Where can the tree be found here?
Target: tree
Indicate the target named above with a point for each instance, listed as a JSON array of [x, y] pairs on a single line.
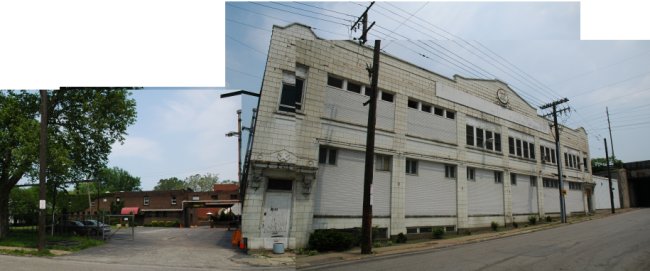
[[83, 123], [201, 183], [172, 183], [116, 179], [600, 164]]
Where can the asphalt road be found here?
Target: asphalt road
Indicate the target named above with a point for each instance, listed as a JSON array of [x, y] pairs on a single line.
[[152, 249], [620, 242]]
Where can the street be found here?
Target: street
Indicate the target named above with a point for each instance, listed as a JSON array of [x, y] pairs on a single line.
[[620, 242]]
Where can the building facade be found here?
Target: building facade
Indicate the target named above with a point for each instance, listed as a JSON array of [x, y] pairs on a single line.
[[453, 152]]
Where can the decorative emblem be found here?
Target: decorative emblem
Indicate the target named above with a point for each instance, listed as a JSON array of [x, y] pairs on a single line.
[[285, 156], [502, 96]]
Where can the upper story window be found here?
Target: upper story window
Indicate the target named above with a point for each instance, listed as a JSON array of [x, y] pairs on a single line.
[[145, 201], [425, 107], [335, 82], [450, 171], [547, 154], [173, 200], [483, 138], [521, 148], [327, 156], [411, 166], [385, 96], [382, 162], [571, 161], [550, 183], [195, 197], [575, 186], [584, 162], [293, 84], [513, 179]]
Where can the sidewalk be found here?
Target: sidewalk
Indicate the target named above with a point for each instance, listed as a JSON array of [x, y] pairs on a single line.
[[269, 259]]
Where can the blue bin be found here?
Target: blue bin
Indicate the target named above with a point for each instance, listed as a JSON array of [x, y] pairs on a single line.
[[278, 248]]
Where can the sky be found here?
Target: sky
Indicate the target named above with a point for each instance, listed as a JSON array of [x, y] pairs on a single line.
[[534, 47]]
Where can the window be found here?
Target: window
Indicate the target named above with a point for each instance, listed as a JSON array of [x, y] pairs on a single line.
[[451, 115], [335, 82], [354, 87], [327, 156], [195, 197], [566, 161], [426, 108], [513, 178], [413, 104], [525, 147], [584, 161], [518, 146], [511, 145], [173, 200], [550, 183], [291, 96], [387, 96], [146, 201], [498, 177], [275, 184], [469, 131], [450, 171], [470, 174], [532, 150], [497, 142], [382, 162], [553, 156], [479, 137], [489, 141], [533, 181], [411, 166], [438, 111]]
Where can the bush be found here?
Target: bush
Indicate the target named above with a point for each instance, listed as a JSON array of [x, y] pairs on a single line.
[[532, 220], [401, 238], [438, 233], [331, 239], [549, 219], [514, 224], [494, 226]]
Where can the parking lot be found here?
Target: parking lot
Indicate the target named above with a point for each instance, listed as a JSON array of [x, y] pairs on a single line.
[[201, 247]]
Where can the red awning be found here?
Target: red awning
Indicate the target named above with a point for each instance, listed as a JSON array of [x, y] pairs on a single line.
[[129, 211]]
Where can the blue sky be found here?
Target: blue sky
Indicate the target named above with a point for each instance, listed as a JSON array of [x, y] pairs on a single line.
[[181, 131]]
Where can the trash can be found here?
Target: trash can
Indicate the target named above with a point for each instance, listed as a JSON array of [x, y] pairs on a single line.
[[278, 248]]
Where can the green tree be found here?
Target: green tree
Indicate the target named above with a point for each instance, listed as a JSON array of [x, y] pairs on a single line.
[[83, 124], [116, 179], [172, 183], [23, 204], [600, 164], [202, 183]]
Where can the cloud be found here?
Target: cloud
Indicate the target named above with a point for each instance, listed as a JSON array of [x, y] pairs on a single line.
[[137, 147]]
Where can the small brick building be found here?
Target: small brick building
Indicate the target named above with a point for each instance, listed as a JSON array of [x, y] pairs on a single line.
[[187, 207]]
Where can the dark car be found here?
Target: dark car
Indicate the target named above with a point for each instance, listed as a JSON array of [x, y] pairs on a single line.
[[95, 227], [71, 227]]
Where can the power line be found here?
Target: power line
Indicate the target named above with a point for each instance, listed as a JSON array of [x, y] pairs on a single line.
[[330, 10], [317, 13], [245, 45], [298, 14]]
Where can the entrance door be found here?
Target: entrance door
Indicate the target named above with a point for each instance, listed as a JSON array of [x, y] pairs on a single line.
[[277, 210]]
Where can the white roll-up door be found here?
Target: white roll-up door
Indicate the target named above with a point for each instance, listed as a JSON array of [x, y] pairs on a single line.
[[429, 193]]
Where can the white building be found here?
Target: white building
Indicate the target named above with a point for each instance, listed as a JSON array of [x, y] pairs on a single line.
[[454, 152], [601, 193]]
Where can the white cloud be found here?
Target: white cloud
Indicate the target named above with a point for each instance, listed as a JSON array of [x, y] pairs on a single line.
[[137, 147]]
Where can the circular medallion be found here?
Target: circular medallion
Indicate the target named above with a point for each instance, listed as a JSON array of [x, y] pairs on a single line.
[[502, 96]]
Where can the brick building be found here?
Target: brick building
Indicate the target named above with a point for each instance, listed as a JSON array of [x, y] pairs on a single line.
[[453, 152], [185, 206]]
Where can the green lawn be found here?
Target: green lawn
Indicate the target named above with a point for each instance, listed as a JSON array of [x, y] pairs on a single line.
[[29, 238]]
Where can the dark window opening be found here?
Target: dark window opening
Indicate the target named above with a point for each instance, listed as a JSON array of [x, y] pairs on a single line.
[[479, 137], [518, 146], [511, 145], [291, 97], [354, 87], [413, 104], [279, 185], [387, 96], [438, 111], [532, 150], [335, 82], [497, 142], [469, 131], [525, 149], [451, 115], [426, 108], [489, 141]]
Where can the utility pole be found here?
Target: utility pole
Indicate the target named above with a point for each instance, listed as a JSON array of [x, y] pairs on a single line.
[[609, 176], [42, 172], [366, 220], [557, 150], [611, 140]]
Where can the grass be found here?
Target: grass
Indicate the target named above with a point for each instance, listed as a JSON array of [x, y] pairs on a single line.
[[21, 252], [29, 239]]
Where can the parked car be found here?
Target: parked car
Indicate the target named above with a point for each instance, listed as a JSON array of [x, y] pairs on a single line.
[[95, 227], [71, 226]]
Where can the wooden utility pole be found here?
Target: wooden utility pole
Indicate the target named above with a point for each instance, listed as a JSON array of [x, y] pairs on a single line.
[[366, 220], [609, 176], [557, 151], [42, 172]]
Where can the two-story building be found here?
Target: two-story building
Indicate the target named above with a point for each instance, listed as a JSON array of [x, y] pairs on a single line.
[[453, 152]]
